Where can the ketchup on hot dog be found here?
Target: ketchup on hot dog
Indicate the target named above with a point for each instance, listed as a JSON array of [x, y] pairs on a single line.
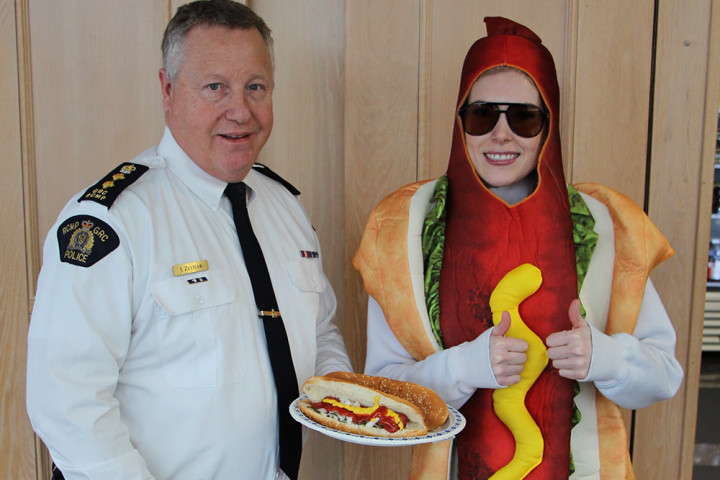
[[386, 418]]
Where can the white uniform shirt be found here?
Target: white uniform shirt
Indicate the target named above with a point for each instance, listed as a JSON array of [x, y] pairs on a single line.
[[135, 372]]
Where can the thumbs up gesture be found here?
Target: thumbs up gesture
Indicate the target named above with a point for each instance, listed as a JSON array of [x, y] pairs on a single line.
[[571, 350], [507, 355]]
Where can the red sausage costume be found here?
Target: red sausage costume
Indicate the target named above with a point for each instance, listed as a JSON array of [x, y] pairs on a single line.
[[485, 238]]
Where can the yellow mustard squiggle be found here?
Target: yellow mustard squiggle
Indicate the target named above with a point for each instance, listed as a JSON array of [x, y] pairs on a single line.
[[509, 402]]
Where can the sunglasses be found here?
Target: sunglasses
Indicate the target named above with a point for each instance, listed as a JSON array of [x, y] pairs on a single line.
[[479, 118]]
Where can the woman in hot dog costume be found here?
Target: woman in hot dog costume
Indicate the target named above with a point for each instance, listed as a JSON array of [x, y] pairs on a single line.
[[503, 232]]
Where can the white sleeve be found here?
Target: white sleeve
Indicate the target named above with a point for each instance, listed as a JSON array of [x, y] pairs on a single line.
[[78, 339], [331, 353], [454, 373], [637, 370]]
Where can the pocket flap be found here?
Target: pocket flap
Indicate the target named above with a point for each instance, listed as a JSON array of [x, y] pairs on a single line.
[[306, 274], [189, 293]]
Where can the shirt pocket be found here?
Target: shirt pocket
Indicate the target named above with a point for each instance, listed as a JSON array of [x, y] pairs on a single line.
[[307, 275], [308, 280], [198, 331]]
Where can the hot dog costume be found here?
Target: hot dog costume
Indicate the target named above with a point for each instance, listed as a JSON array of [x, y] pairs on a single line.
[[434, 252]]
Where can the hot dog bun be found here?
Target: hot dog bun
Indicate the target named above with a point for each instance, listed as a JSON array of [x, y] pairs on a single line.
[[363, 389], [434, 410], [318, 388]]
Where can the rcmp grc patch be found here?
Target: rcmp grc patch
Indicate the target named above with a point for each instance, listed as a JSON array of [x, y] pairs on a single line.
[[84, 240], [107, 190]]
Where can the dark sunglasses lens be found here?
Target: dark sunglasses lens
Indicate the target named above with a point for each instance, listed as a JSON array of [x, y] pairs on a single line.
[[479, 119], [525, 120]]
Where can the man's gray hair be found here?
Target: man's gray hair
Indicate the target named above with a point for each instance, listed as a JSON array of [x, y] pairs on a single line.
[[225, 13]]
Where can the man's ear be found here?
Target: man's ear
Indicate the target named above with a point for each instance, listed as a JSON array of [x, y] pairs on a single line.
[[165, 88]]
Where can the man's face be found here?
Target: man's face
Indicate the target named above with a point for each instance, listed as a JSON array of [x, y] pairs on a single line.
[[219, 106]]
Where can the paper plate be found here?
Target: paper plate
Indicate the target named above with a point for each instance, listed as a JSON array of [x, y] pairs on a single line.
[[452, 426]]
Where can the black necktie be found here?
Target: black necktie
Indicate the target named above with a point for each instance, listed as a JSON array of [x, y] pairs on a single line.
[[277, 341]]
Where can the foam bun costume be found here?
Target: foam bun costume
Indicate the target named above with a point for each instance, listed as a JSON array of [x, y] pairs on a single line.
[[555, 231]]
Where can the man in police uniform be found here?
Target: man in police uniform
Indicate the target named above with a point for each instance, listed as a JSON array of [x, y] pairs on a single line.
[[147, 358]]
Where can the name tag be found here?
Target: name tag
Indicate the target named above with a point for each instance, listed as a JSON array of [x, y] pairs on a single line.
[[190, 267]]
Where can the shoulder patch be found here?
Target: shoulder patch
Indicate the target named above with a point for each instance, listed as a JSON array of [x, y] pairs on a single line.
[[106, 191], [84, 240], [259, 167]]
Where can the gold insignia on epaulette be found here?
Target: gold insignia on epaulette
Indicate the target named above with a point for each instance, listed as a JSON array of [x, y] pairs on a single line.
[[127, 169], [107, 189]]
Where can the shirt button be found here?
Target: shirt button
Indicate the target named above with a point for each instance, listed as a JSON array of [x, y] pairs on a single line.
[[200, 299]]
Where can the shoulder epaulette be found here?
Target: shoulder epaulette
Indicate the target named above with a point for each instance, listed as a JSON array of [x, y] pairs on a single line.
[[106, 191], [259, 167]]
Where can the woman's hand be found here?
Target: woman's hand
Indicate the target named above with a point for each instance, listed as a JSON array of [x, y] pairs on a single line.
[[571, 350], [507, 355]]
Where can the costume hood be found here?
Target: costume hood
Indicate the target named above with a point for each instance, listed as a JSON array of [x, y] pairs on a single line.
[[513, 45]]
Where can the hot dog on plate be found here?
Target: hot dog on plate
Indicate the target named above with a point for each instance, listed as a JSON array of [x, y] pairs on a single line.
[[374, 406]]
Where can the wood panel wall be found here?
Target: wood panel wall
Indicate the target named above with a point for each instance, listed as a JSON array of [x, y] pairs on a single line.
[[363, 104], [682, 138], [17, 446], [96, 103]]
